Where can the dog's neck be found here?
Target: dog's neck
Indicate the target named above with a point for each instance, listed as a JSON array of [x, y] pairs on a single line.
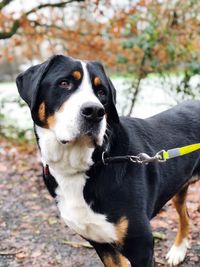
[[68, 159]]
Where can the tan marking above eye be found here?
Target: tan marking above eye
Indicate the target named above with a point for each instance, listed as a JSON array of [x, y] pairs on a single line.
[[121, 230], [41, 112], [97, 81], [77, 75]]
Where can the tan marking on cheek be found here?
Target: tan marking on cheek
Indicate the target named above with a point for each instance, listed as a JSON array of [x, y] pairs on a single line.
[[121, 230], [61, 109], [41, 111], [51, 120], [84, 141], [97, 81], [77, 75]]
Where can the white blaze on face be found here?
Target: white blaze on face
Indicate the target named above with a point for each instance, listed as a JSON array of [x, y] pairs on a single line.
[[67, 119]]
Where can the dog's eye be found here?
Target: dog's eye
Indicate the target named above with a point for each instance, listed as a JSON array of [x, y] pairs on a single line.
[[100, 93], [66, 84]]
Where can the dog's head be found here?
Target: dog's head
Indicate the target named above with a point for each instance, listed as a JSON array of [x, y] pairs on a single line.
[[70, 97]]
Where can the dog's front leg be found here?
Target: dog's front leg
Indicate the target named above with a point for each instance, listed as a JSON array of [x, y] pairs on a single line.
[[139, 249], [109, 255]]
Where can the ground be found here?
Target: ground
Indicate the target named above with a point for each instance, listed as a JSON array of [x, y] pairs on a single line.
[[33, 235]]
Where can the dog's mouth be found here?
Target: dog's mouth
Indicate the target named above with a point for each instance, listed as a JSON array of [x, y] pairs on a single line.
[[90, 135], [89, 139]]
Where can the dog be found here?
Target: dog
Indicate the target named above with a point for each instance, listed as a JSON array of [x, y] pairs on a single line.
[[72, 104]]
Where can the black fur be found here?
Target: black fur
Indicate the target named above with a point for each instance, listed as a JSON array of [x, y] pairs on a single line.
[[135, 191], [140, 191]]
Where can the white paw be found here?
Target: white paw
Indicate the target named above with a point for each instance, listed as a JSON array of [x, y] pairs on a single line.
[[177, 253]]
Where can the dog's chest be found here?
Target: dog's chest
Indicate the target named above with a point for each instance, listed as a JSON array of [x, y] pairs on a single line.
[[68, 166], [78, 215]]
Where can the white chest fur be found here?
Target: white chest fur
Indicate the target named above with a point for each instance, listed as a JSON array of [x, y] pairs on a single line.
[[68, 163]]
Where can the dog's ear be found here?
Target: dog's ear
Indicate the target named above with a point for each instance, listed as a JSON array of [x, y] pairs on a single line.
[[28, 82], [113, 111]]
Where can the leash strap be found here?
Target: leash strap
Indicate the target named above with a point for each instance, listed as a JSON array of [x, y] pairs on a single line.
[[144, 158], [180, 151]]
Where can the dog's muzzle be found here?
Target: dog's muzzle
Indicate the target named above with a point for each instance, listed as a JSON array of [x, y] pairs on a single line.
[[92, 113], [91, 123]]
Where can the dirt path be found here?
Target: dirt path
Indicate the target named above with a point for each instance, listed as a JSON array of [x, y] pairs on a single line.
[[32, 234]]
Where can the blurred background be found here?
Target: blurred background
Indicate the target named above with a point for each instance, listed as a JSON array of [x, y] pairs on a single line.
[[151, 51], [150, 48]]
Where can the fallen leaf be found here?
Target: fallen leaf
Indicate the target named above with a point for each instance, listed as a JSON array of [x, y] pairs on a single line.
[[77, 244], [20, 255], [52, 221]]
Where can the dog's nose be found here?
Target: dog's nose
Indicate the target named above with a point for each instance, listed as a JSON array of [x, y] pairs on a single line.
[[92, 112]]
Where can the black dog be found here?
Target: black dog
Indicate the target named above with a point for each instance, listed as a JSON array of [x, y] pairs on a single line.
[[72, 104]]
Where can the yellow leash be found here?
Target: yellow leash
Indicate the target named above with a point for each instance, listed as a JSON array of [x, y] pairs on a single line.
[[179, 151]]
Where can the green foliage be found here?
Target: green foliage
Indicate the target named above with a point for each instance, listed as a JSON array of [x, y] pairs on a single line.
[[121, 59], [165, 40]]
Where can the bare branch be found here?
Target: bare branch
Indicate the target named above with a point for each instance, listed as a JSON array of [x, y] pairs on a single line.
[[13, 30], [4, 3], [60, 5], [16, 23], [137, 88]]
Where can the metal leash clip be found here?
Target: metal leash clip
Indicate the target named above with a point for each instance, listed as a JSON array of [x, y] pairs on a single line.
[[134, 159], [141, 158], [160, 156], [144, 158]]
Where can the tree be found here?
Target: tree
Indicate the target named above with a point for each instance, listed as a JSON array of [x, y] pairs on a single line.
[[17, 23], [150, 36], [168, 41]]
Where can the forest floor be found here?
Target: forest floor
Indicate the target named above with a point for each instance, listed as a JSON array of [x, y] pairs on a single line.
[[33, 235]]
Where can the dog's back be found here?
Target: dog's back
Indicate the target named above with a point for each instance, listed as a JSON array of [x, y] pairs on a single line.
[[176, 127]]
